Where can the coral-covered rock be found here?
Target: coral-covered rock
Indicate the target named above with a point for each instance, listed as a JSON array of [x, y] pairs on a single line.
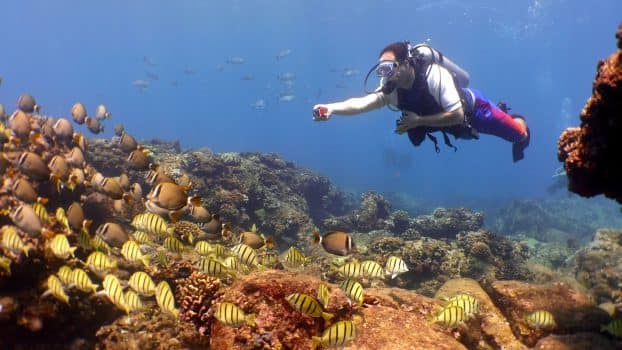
[[490, 321], [591, 153], [447, 223], [372, 214], [572, 309], [195, 295], [391, 319], [145, 331]]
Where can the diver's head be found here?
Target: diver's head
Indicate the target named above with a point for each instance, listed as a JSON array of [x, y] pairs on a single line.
[[395, 66]]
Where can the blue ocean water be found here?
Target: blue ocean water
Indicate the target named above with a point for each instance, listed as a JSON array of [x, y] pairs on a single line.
[[539, 56]]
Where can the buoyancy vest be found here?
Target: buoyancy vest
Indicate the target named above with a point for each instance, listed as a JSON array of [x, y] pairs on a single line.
[[418, 99]]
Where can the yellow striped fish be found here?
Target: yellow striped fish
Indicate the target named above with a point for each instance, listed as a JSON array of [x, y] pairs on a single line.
[[99, 262], [55, 288], [268, 258], [218, 251], [203, 248], [142, 283], [173, 244], [141, 237], [165, 299], [246, 254], [231, 315], [152, 223], [323, 295], [307, 305], [64, 274], [133, 301], [234, 264], [395, 266], [114, 292], [81, 280], [41, 212], [131, 252], [467, 302], [84, 240], [450, 316], [336, 335], [351, 270], [215, 268], [59, 245], [5, 264], [372, 269], [541, 319], [353, 290], [295, 258], [61, 218], [13, 242], [99, 244]]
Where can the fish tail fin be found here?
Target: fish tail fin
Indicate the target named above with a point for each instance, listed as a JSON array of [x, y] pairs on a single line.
[[250, 320], [42, 200], [26, 250], [315, 341], [317, 239], [128, 198], [174, 216], [145, 260], [72, 251], [326, 316]]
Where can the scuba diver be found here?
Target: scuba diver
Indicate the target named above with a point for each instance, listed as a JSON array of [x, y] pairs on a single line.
[[431, 92]]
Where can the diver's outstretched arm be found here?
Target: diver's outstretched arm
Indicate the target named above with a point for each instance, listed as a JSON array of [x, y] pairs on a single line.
[[353, 106]]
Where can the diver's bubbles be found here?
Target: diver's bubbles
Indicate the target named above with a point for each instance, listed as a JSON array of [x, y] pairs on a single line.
[[567, 114]]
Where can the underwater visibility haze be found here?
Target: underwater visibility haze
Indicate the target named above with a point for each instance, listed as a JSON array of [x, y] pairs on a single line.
[[165, 184]]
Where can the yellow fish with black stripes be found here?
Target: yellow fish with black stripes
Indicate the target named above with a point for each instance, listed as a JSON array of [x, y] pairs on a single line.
[[295, 258], [353, 290], [98, 262], [114, 292], [55, 288], [133, 301], [467, 302], [351, 270], [231, 315], [450, 316], [81, 280], [246, 254], [142, 283], [307, 305], [64, 274], [541, 319], [131, 252], [165, 299], [323, 295], [59, 245], [13, 242], [337, 335]]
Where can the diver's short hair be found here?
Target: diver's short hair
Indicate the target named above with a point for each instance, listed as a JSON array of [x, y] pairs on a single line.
[[399, 48]]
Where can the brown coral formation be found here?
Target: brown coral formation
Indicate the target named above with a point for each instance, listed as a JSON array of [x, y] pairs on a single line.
[[591, 152], [195, 295]]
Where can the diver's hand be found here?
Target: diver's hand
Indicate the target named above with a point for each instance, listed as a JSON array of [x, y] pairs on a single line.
[[408, 121], [321, 113]]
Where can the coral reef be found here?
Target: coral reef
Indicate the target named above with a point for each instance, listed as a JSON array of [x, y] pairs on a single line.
[[555, 219], [447, 223], [596, 267], [590, 152]]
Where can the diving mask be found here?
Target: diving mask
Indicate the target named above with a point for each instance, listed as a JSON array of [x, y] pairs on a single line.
[[386, 69]]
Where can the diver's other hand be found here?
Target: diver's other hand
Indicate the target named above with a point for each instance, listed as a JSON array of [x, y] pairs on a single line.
[[321, 113], [408, 121]]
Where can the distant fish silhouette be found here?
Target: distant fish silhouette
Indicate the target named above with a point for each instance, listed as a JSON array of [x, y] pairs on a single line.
[[283, 54], [286, 97], [152, 76], [189, 71], [283, 77], [235, 60], [248, 77], [141, 84], [348, 72], [259, 104], [148, 61]]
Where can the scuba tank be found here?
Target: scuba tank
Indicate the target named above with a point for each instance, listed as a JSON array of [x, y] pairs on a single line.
[[424, 53]]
